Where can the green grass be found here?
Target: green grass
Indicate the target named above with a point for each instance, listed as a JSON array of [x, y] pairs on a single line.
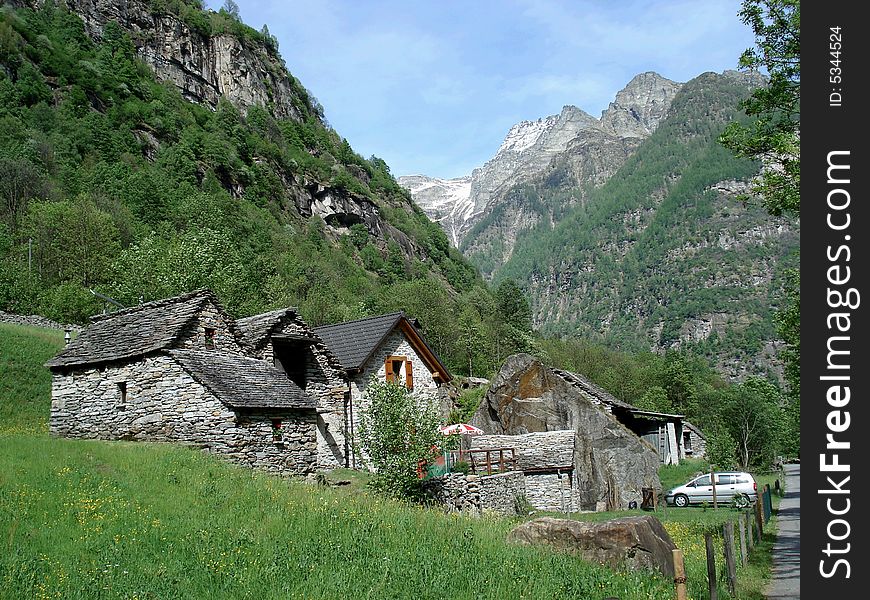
[[25, 384], [93, 519]]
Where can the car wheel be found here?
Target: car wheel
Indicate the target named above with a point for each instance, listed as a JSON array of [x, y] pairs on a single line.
[[681, 500], [740, 500]]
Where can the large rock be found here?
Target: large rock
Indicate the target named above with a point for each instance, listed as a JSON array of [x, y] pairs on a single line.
[[611, 463], [631, 542]]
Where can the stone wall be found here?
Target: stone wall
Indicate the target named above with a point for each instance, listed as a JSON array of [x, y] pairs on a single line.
[[456, 492], [37, 321], [193, 338], [473, 494], [160, 401], [499, 492], [552, 491], [698, 444]]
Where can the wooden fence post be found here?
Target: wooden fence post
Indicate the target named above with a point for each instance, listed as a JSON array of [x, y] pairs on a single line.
[[730, 563], [741, 525], [750, 535], [711, 567], [759, 518], [679, 575]]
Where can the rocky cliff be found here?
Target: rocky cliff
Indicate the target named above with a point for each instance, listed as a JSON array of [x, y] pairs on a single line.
[[668, 253], [205, 65]]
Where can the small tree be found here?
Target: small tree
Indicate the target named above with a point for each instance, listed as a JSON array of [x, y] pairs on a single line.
[[398, 432]]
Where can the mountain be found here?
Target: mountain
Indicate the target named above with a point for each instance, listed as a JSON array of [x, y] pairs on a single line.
[[598, 147], [668, 253], [152, 147], [446, 201]]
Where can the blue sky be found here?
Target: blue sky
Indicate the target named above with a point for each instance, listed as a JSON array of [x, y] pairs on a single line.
[[433, 86]]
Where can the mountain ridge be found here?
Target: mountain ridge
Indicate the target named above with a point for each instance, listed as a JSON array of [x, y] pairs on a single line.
[[530, 146]]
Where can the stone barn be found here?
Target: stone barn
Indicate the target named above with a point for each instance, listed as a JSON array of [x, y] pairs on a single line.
[[663, 431], [611, 464], [388, 347], [176, 370]]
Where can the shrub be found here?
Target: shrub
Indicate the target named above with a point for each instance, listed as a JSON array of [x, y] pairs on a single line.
[[398, 433]]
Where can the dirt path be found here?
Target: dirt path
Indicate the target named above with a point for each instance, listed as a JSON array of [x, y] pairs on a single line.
[[785, 583]]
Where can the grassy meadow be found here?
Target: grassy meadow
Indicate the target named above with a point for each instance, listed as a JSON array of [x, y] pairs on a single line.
[[94, 519]]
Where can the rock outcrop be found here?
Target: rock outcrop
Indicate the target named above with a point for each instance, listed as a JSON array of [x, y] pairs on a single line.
[[632, 542], [611, 463], [204, 67]]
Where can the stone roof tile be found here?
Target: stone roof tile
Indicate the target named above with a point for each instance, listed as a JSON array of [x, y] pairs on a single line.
[[241, 382], [134, 331]]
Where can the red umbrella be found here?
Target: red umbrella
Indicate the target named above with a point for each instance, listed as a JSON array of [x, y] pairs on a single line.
[[460, 428]]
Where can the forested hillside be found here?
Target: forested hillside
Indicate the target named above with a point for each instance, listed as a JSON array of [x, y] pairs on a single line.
[[136, 187], [667, 254]]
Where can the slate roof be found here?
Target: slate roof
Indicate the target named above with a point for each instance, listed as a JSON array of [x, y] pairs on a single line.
[[241, 382], [583, 384], [540, 451], [135, 331], [354, 342], [255, 330]]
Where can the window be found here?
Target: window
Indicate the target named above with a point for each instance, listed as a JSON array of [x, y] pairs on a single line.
[[209, 337], [277, 431], [393, 369], [687, 442], [702, 481], [122, 394]]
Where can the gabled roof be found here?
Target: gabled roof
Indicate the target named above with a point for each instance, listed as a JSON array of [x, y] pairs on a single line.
[[255, 330], [540, 451], [135, 331], [241, 382], [354, 342], [580, 382]]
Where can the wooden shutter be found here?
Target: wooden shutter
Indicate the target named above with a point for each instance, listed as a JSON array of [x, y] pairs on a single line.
[[409, 375], [388, 365]]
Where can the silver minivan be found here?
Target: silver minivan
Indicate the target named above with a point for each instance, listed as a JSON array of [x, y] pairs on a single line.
[[731, 487]]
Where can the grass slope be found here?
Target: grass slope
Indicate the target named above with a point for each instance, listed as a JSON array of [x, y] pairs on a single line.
[[94, 519]]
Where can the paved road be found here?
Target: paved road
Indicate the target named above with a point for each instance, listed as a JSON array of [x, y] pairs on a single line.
[[785, 583]]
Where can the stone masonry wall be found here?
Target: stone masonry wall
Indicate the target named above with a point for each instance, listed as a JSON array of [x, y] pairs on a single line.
[[396, 344], [193, 338], [37, 321], [499, 492], [326, 384], [551, 491], [456, 492], [164, 403]]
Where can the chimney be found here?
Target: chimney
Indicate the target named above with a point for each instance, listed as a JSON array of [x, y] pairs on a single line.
[[66, 336]]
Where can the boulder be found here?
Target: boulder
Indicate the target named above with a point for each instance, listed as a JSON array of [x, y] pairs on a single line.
[[630, 542], [611, 463]]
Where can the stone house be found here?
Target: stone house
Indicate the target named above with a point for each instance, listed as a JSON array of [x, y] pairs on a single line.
[[282, 339], [664, 432], [387, 347], [546, 459], [694, 442], [267, 391], [177, 370]]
